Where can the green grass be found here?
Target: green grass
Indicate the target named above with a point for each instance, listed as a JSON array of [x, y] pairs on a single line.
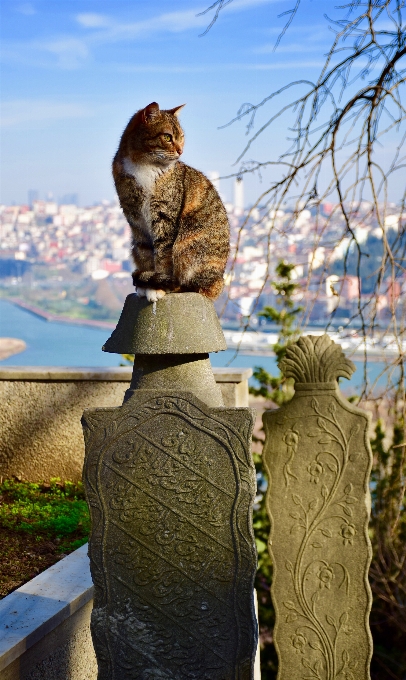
[[47, 511]]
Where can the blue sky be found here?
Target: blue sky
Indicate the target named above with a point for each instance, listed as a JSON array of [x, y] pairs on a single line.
[[74, 71]]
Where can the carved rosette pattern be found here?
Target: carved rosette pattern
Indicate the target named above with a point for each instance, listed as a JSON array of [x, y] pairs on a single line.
[[318, 460], [170, 484]]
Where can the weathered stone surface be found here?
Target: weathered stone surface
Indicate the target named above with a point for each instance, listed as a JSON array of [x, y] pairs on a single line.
[[41, 407], [40, 433], [184, 372], [318, 459], [180, 323], [170, 483]]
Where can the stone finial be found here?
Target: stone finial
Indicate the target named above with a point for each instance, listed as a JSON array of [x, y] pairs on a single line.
[[316, 359], [171, 340], [179, 323]]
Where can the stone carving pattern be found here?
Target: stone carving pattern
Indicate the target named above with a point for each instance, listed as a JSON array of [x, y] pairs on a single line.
[[318, 460], [316, 359], [178, 597]]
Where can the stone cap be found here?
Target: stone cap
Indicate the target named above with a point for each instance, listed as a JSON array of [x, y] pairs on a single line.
[[66, 373], [230, 374], [102, 374], [179, 323]]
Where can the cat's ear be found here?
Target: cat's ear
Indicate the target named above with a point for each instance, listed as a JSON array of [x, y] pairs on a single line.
[[176, 110], [150, 112]]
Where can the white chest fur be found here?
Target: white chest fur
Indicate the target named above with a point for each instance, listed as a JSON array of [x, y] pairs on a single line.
[[144, 175]]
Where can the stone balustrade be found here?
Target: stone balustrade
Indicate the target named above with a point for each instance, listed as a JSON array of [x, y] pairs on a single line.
[[40, 432]]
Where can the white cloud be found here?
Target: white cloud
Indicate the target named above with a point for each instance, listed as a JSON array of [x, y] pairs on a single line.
[[158, 68], [26, 9], [70, 52], [290, 48], [24, 111], [246, 4], [116, 30], [169, 22], [92, 20], [173, 68], [63, 52], [282, 65], [312, 40]]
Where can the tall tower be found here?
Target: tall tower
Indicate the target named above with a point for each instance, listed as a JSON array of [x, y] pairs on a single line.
[[239, 195], [214, 178], [32, 196]]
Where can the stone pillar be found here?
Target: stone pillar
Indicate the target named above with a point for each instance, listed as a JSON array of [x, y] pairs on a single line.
[[318, 459], [170, 483]]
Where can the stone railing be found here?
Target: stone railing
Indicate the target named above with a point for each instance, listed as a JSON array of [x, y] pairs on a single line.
[[45, 625], [40, 432]]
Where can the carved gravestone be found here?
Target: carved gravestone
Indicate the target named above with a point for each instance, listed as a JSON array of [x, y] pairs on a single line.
[[170, 483], [318, 459]]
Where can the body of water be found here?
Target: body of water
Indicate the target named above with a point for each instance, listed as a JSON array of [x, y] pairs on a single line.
[[61, 344], [53, 344]]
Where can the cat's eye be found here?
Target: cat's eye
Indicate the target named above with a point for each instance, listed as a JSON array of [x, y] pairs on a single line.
[[167, 138]]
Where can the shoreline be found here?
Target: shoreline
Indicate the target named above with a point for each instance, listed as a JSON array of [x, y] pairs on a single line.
[[372, 357], [355, 356], [11, 346], [57, 318]]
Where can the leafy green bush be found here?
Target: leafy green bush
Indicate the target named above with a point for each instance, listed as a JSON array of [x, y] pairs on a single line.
[[55, 510]]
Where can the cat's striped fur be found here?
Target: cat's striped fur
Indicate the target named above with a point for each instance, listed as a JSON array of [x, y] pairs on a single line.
[[180, 230]]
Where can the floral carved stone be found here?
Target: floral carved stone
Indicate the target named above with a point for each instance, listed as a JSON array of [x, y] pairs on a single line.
[[318, 460], [171, 483]]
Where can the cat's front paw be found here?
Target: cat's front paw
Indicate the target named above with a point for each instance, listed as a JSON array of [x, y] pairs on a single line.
[[153, 295]]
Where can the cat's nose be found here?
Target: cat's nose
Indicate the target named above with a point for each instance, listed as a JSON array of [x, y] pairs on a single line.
[[179, 149]]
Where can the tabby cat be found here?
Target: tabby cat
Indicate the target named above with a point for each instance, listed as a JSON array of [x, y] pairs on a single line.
[[180, 231]]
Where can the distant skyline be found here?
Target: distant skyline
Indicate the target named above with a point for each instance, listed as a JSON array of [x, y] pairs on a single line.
[[74, 71]]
